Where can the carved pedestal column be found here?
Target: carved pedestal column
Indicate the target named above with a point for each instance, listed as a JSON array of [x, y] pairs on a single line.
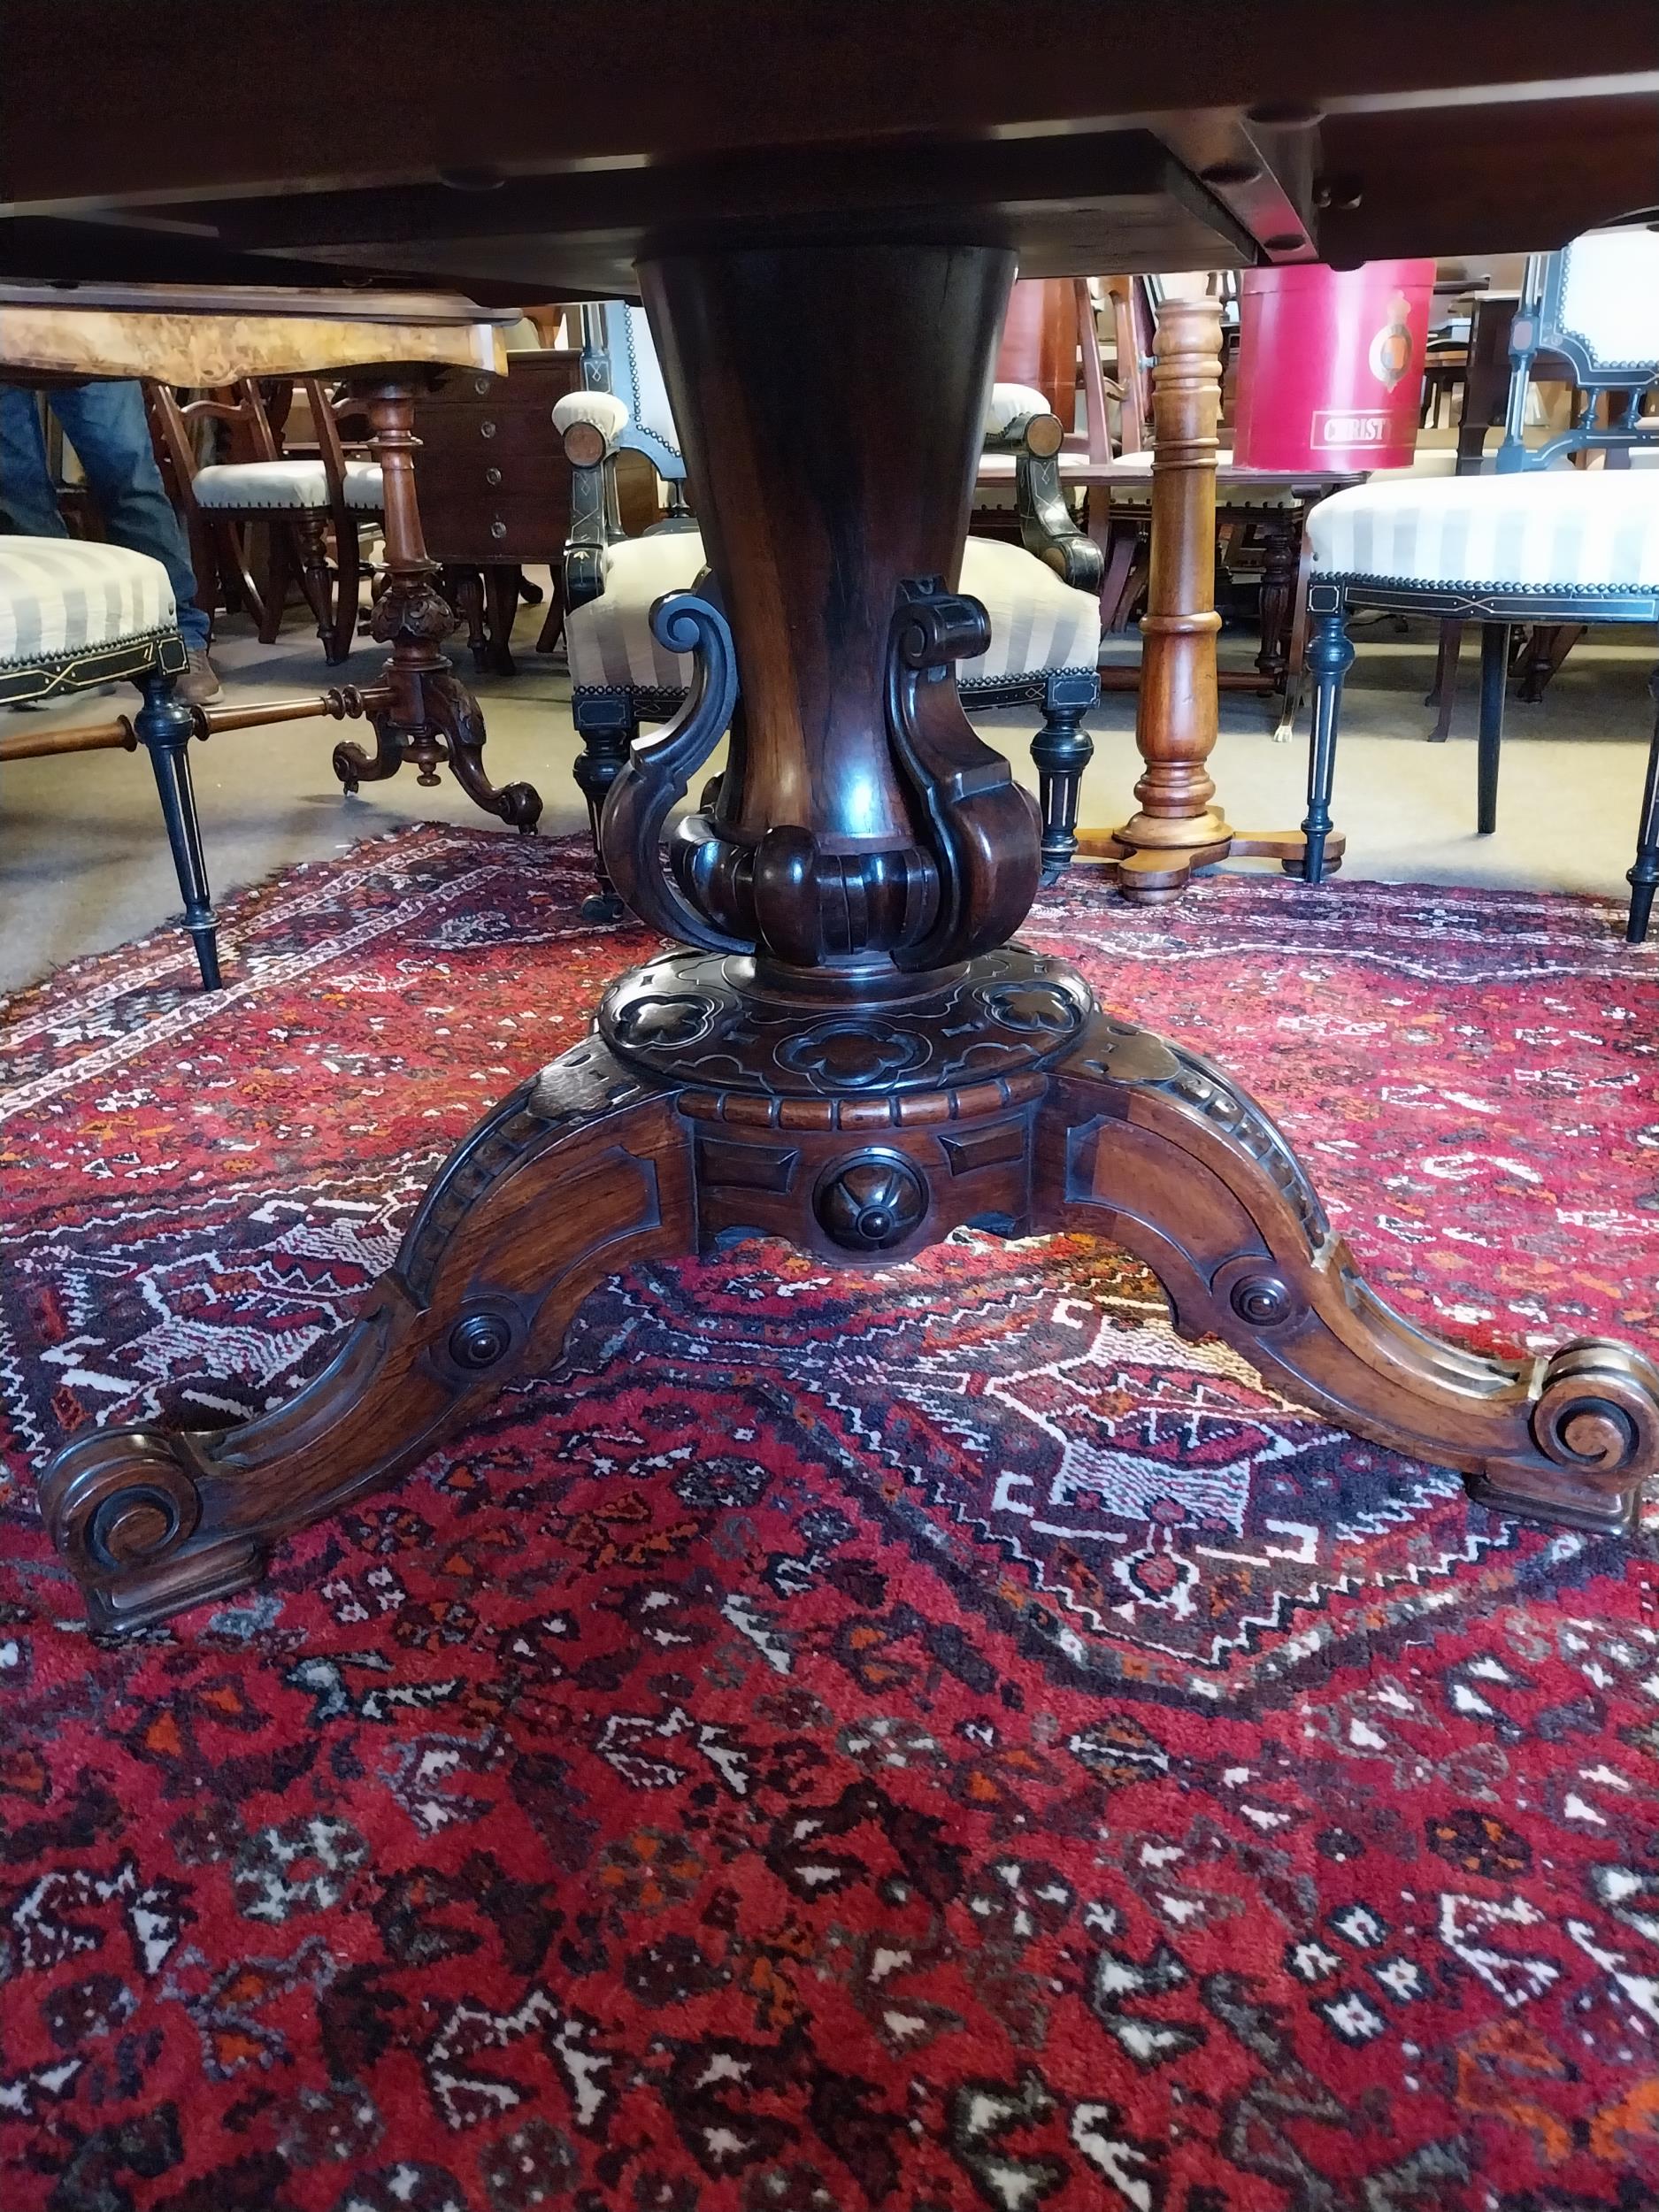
[[1178, 828]]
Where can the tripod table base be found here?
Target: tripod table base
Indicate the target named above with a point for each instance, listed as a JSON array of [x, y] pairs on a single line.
[[1004, 1100]]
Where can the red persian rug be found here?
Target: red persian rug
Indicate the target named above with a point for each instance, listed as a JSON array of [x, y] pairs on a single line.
[[928, 1739]]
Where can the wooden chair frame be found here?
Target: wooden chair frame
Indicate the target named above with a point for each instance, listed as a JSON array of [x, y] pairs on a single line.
[[299, 542], [1331, 655]]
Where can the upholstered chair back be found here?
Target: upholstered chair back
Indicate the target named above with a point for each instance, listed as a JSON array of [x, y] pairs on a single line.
[[620, 355], [1595, 305], [1605, 304]]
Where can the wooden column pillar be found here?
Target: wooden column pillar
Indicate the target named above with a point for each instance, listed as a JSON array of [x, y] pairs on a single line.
[[1178, 828], [1176, 717]]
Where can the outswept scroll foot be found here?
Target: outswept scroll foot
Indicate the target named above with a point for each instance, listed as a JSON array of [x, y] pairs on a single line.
[[452, 708], [354, 766], [1155, 1147], [582, 1169]]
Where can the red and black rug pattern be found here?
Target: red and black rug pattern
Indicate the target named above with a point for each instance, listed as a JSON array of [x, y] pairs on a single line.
[[930, 1740]]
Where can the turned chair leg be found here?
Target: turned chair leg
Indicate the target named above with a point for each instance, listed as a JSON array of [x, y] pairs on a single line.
[[553, 622], [316, 582], [1494, 672], [164, 728], [501, 593], [1443, 692], [464, 588], [1643, 877], [1061, 749], [607, 727], [1330, 656], [342, 634]]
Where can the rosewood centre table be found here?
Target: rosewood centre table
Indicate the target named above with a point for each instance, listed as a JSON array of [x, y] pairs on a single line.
[[847, 1048]]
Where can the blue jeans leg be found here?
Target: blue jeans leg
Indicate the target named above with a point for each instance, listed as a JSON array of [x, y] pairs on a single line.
[[27, 501], [105, 423]]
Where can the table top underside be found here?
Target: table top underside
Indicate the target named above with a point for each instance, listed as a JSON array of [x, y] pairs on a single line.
[[338, 143]]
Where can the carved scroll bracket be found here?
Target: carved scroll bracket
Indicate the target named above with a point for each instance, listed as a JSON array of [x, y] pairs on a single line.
[[659, 771], [983, 831]]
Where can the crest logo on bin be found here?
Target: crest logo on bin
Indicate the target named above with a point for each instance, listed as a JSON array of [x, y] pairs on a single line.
[[1390, 355]]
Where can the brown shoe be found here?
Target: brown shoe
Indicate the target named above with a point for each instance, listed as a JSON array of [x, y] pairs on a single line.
[[199, 683]]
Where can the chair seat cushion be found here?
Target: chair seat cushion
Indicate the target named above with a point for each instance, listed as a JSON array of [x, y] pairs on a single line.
[[64, 597], [1010, 404], [1037, 622], [285, 487], [1542, 530]]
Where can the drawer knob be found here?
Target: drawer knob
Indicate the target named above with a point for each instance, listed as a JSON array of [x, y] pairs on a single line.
[[498, 528], [486, 429], [492, 475], [481, 383]]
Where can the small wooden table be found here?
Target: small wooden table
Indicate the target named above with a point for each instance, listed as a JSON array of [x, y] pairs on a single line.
[[389, 346], [845, 1047]]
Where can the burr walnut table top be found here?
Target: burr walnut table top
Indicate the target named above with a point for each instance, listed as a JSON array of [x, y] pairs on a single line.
[[202, 335]]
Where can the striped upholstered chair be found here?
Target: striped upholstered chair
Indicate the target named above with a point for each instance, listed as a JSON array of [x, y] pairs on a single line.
[[1045, 631], [1545, 546], [74, 615]]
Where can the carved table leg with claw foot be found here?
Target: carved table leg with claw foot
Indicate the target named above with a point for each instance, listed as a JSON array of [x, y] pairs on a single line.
[[432, 717], [579, 1171], [1155, 1147]]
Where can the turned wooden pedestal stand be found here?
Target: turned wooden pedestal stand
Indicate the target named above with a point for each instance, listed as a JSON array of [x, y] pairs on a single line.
[[421, 711], [1178, 828], [848, 1053]]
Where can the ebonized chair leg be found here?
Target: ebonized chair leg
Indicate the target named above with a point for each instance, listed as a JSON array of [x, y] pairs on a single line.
[[1494, 671], [1061, 749], [1330, 656], [1643, 877], [606, 727], [164, 726]]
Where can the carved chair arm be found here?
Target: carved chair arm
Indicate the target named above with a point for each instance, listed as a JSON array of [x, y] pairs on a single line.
[[590, 424], [1046, 527]]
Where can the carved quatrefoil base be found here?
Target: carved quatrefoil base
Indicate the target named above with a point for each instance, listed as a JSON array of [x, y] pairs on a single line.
[[697, 1018]]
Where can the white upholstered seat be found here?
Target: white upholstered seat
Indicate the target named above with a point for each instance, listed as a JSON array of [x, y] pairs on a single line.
[[63, 596], [1037, 622], [1542, 530], [285, 487]]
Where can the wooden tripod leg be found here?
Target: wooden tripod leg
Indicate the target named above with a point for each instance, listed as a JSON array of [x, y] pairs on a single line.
[[1157, 1149], [579, 1171]]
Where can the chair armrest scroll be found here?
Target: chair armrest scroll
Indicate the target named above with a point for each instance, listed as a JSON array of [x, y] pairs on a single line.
[[590, 424]]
